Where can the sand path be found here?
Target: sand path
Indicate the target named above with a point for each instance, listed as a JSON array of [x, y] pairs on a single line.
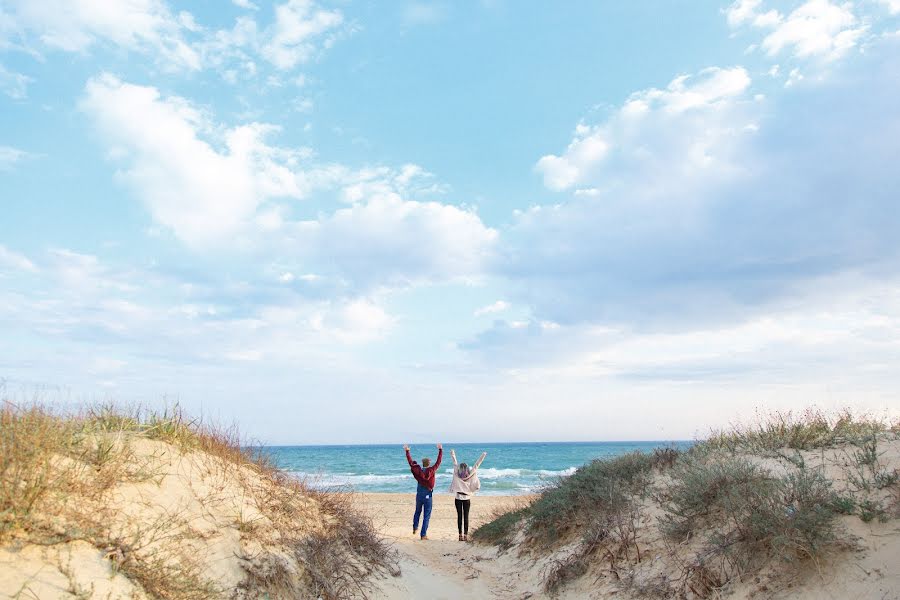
[[442, 567]]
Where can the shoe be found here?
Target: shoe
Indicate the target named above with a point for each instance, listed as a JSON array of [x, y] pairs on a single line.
[[415, 530], [424, 537], [465, 537], [461, 538]]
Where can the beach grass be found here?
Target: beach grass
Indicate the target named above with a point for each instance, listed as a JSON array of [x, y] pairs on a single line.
[[62, 474], [760, 498]]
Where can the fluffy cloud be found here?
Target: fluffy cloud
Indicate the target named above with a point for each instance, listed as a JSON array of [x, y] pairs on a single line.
[[146, 314], [209, 183], [298, 24], [723, 210], [299, 30], [146, 26], [10, 157], [686, 128], [201, 191], [816, 28], [893, 6], [495, 307], [852, 331], [14, 85], [14, 260], [391, 241]]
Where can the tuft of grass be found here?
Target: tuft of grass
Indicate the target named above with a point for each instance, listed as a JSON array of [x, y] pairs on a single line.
[[599, 487], [811, 429], [501, 530], [57, 471], [744, 517]]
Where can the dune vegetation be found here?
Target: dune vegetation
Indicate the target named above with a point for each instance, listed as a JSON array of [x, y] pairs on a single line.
[[753, 509], [111, 503]]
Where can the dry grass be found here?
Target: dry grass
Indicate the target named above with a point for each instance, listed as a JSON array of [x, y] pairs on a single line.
[[723, 515], [58, 472], [810, 429]]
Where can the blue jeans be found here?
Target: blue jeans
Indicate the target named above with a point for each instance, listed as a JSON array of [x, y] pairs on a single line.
[[423, 500]]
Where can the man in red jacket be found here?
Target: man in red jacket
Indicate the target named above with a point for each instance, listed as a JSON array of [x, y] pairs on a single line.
[[425, 489]]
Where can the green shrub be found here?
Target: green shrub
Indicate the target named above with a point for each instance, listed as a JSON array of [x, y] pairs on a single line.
[[747, 515], [811, 429], [701, 487], [601, 486], [501, 530]]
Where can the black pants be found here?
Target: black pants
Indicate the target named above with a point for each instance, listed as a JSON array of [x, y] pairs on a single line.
[[462, 515]]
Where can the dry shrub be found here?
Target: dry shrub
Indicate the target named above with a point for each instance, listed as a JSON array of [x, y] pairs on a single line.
[[342, 559], [564, 570], [57, 469], [745, 518], [599, 487], [813, 428]]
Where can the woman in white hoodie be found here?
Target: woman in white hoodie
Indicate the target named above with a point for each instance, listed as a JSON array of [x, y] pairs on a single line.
[[465, 483]]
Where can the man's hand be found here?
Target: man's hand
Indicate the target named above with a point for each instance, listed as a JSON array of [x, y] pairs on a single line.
[[440, 446], [406, 447]]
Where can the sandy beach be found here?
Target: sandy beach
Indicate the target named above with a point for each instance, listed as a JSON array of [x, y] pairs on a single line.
[[441, 567], [393, 513]]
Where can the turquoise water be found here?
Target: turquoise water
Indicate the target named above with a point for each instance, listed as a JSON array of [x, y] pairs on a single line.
[[509, 469]]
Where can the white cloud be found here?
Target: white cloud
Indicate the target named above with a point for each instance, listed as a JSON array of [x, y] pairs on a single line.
[[355, 322], [10, 157], [14, 85], [146, 26], [298, 26], [850, 334], [424, 13], [14, 260], [388, 240], [722, 210], [685, 127], [893, 6], [816, 28], [209, 184], [298, 33], [496, 307], [245, 4], [201, 191]]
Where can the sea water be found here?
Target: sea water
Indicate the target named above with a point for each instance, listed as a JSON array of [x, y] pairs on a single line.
[[509, 469]]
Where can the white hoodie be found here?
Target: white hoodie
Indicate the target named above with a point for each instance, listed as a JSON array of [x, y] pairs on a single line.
[[465, 487]]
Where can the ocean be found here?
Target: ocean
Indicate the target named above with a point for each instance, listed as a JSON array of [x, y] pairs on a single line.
[[509, 469]]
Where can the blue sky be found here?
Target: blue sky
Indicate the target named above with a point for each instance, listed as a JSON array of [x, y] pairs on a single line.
[[337, 222]]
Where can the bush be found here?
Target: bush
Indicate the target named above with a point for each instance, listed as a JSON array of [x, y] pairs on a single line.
[[811, 429], [501, 530], [748, 517], [601, 486]]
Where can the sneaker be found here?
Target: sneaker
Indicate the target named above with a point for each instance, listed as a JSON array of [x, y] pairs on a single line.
[[465, 537], [415, 530], [424, 537], [461, 538]]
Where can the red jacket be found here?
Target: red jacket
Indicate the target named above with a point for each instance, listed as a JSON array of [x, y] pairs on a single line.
[[425, 476]]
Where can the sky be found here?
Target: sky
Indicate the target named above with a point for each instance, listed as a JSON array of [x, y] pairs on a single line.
[[366, 222]]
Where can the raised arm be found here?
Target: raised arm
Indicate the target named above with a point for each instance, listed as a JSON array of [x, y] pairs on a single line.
[[480, 460], [453, 456], [408, 457], [437, 463]]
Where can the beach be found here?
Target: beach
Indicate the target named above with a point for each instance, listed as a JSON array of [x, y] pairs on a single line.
[[392, 514], [441, 567]]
